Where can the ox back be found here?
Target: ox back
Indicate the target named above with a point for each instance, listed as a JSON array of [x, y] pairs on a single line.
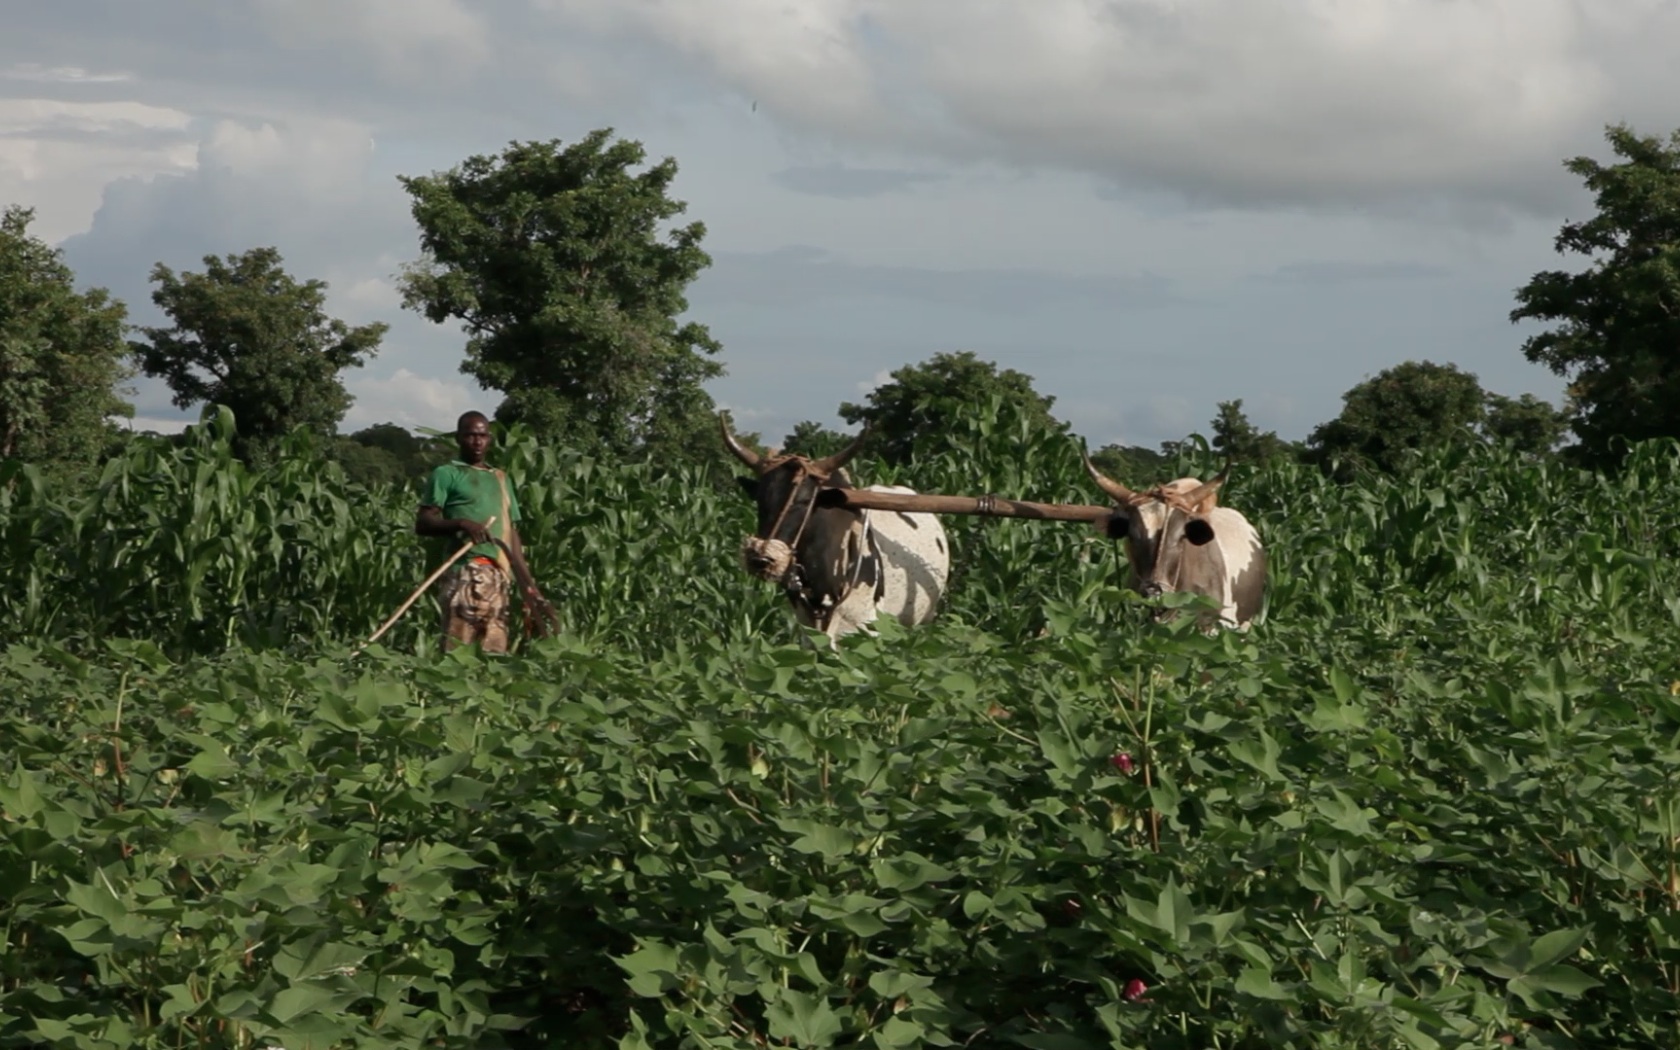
[[883, 563]]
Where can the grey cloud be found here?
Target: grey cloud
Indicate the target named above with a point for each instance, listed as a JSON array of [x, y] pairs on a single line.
[[802, 327], [118, 136], [1250, 106], [1328, 271], [181, 218], [351, 229], [849, 183], [228, 59], [1237, 104], [801, 273]]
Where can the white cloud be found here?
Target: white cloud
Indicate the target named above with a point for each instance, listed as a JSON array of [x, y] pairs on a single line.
[[57, 156], [304, 186], [40, 116], [370, 296], [256, 127], [156, 424], [742, 414], [775, 51], [407, 398], [1232, 101], [319, 155], [879, 379], [37, 73]]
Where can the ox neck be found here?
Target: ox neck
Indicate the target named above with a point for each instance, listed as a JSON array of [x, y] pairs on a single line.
[[825, 564]]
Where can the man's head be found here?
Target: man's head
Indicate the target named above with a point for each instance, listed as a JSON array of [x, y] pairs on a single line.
[[472, 436]]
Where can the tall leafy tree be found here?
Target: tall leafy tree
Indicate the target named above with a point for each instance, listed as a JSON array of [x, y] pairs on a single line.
[[915, 413], [1414, 405], [812, 439], [388, 453], [248, 335], [1617, 333], [1133, 465], [63, 354], [1236, 436], [554, 258], [1527, 423]]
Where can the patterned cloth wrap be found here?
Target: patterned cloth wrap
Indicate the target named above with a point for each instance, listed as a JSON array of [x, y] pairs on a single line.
[[474, 600]]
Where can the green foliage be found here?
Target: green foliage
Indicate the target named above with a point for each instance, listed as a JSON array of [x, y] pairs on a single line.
[[1527, 423], [369, 465], [1238, 439], [388, 454], [1413, 406], [62, 354], [1418, 406], [1131, 461], [555, 261], [916, 414], [247, 335], [1428, 801], [813, 440], [1617, 333]]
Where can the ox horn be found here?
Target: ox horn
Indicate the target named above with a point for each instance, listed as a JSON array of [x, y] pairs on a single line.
[[1207, 489], [1104, 482], [742, 453], [829, 464]]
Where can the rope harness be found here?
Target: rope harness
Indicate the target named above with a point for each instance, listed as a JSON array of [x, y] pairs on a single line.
[[792, 579], [1172, 500]]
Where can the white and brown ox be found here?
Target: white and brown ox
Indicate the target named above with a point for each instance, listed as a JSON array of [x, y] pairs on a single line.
[[840, 568], [1179, 539]]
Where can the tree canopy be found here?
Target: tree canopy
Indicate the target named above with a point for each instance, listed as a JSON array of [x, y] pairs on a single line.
[[388, 453], [1414, 405], [1237, 438], [912, 413], [811, 439], [1617, 322], [553, 258], [1132, 464], [1527, 423], [63, 356], [248, 335], [1418, 405]]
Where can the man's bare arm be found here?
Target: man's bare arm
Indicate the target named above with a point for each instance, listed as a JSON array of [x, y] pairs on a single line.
[[431, 522]]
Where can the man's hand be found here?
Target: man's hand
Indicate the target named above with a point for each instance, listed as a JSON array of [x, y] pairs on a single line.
[[540, 618], [475, 530]]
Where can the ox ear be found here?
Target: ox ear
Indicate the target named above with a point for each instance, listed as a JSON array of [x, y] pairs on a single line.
[[749, 485], [1198, 532], [1117, 525]]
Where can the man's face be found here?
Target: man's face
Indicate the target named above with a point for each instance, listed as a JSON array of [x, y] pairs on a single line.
[[474, 439]]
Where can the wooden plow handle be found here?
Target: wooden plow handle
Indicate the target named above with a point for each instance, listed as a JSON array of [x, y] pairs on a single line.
[[982, 506]]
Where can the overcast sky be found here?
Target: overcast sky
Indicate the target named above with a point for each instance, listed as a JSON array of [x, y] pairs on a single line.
[[1147, 205]]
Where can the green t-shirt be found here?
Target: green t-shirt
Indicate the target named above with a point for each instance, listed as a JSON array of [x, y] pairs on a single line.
[[467, 492]]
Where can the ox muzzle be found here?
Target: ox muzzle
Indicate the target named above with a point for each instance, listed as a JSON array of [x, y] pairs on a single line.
[[766, 559]]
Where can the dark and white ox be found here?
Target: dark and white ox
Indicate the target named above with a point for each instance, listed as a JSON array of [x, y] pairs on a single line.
[[840, 567], [1179, 539]]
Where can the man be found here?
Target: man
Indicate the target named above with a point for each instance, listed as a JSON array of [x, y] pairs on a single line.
[[459, 498]]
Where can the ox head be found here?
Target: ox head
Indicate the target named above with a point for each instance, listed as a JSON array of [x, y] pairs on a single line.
[[1165, 529], [785, 489]]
